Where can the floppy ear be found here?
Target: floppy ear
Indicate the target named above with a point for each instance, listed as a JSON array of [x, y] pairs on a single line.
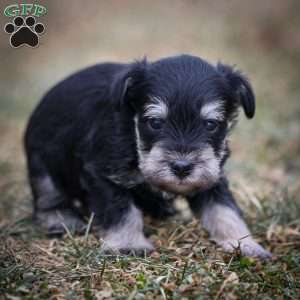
[[241, 88], [128, 84]]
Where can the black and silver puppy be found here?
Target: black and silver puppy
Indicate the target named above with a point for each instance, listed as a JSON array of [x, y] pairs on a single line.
[[126, 139]]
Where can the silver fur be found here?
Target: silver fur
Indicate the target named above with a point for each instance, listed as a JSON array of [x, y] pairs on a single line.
[[155, 168], [47, 193], [229, 230], [213, 110], [128, 234], [157, 108]]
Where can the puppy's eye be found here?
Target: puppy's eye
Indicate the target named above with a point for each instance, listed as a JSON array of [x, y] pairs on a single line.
[[155, 124], [211, 125]]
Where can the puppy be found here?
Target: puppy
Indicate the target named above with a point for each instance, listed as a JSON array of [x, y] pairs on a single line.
[[126, 139]]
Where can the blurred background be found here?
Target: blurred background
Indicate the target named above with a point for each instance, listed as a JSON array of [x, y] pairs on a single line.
[[260, 37]]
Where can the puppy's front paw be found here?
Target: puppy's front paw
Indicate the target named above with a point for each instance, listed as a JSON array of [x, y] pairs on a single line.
[[247, 246], [139, 247], [141, 252]]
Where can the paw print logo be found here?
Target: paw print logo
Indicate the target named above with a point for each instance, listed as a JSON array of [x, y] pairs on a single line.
[[24, 31]]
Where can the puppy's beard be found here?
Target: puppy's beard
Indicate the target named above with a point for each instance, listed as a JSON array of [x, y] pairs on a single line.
[[155, 167]]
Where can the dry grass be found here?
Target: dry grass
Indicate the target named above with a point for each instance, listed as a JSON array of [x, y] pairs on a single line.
[[264, 168], [185, 266]]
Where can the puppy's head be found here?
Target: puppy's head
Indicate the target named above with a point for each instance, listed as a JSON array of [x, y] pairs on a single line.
[[183, 109]]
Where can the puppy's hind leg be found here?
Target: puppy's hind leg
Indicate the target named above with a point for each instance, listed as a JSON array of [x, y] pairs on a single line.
[[222, 218], [52, 208]]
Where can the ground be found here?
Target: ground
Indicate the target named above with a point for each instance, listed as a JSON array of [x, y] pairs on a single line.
[[264, 168]]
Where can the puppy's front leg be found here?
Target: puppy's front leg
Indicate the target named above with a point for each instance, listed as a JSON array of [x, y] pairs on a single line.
[[127, 235], [119, 221], [222, 218]]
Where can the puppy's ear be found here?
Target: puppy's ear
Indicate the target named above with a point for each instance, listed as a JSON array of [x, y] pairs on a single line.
[[128, 84], [241, 88]]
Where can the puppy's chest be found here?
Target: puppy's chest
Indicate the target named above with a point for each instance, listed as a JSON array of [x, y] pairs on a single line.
[[163, 202], [167, 196], [132, 178]]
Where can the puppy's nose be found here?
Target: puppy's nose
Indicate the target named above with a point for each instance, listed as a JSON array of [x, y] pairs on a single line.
[[181, 167]]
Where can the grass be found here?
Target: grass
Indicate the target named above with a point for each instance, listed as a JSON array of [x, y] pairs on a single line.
[[264, 169], [185, 266]]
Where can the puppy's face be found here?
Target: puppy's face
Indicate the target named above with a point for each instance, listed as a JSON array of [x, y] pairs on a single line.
[[182, 120], [181, 144]]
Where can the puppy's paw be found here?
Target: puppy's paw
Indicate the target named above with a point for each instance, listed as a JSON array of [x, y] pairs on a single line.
[[247, 246], [133, 252], [56, 222], [137, 248]]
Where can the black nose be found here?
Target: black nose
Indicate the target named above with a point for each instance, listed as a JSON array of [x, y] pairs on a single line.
[[181, 167]]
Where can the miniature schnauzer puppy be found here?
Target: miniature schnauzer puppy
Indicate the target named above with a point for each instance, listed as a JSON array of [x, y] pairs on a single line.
[[123, 140]]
